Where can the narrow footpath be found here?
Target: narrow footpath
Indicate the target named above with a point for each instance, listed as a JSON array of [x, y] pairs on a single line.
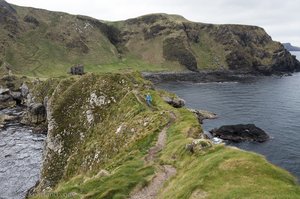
[[164, 172]]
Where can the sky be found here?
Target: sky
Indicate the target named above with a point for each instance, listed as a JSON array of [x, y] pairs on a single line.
[[278, 17]]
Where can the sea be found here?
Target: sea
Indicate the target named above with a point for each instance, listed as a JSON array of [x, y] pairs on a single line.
[[271, 103]]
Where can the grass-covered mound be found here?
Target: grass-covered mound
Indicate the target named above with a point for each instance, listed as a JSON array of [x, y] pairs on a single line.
[[104, 157]]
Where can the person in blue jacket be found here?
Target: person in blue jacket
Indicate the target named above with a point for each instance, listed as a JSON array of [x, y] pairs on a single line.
[[148, 99]]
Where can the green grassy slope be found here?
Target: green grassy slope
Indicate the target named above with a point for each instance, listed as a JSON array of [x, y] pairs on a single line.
[[221, 171], [99, 161], [56, 43], [41, 43]]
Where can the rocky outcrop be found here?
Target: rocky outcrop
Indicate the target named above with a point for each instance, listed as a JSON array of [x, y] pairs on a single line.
[[6, 99], [12, 97], [241, 132], [283, 62], [32, 20], [176, 102], [197, 145], [4, 118], [203, 115], [35, 115]]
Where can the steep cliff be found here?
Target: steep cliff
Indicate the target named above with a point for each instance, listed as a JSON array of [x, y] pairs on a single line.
[[105, 142], [44, 43]]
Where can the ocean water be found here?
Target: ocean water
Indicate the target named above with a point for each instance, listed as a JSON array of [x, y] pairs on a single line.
[[271, 103], [20, 158]]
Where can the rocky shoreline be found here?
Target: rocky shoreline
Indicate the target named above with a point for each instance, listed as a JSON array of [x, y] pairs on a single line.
[[25, 110], [204, 76]]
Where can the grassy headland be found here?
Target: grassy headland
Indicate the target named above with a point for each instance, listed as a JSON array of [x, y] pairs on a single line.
[[106, 158]]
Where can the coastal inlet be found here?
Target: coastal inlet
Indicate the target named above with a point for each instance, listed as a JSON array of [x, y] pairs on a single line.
[[271, 103], [20, 157]]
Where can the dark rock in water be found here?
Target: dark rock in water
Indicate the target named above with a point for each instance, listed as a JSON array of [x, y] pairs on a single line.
[[175, 102], [241, 132]]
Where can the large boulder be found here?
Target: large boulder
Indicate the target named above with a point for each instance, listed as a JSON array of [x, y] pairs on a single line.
[[176, 102], [203, 115], [240, 132]]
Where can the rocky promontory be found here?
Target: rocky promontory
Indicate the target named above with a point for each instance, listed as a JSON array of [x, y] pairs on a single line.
[[101, 133]]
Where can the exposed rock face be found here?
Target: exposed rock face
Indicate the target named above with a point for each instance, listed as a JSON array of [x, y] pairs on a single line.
[[36, 114], [282, 62], [11, 95], [175, 49], [32, 20], [175, 101], [199, 46], [8, 19], [240, 132], [24, 90], [17, 96]]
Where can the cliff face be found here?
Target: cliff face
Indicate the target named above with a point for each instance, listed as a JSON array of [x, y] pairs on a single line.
[[36, 42], [205, 46]]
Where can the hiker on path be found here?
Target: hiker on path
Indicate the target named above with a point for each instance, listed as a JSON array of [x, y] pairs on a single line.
[[148, 99]]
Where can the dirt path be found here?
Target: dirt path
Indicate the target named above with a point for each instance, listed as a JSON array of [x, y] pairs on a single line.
[[151, 191], [164, 172]]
